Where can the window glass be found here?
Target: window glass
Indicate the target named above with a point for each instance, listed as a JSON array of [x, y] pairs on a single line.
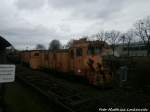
[[143, 47], [125, 48], [94, 50], [72, 54], [97, 50], [90, 51], [36, 54], [79, 52]]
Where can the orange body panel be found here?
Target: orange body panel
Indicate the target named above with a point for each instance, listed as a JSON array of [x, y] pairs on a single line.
[[52, 60], [45, 60], [62, 61], [90, 65], [84, 58], [36, 59]]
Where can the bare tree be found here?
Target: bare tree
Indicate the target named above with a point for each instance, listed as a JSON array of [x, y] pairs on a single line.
[[129, 38], [142, 29], [122, 39], [40, 47], [102, 36], [55, 45], [113, 38], [70, 43]]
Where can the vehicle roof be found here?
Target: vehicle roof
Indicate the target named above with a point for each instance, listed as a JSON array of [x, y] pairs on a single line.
[[4, 43]]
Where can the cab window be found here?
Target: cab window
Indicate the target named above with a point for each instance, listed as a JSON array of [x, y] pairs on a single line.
[[36, 54], [90, 51], [79, 52], [72, 54], [97, 50], [94, 50]]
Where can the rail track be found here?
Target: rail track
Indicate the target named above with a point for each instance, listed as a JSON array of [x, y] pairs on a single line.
[[66, 98]]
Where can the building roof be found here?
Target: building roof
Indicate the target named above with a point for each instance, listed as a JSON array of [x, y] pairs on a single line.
[[4, 43]]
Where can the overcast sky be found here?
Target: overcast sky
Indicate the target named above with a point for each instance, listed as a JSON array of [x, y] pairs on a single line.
[[26, 23]]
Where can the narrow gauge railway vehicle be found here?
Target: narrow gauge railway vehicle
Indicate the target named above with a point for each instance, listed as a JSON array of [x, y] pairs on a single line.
[[84, 58]]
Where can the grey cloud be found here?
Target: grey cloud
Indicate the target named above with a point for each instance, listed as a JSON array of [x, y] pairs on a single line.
[[30, 4], [89, 9], [26, 23], [29, 36], [68, 3], [19, 31], [27, 32], [64, 28]]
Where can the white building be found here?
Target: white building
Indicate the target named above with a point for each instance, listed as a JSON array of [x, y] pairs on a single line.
[[135, 49]]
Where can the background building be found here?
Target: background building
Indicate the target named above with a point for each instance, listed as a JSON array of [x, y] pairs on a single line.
[[134, 49]]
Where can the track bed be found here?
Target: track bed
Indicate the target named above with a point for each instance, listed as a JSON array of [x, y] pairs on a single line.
[[79, 97]]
